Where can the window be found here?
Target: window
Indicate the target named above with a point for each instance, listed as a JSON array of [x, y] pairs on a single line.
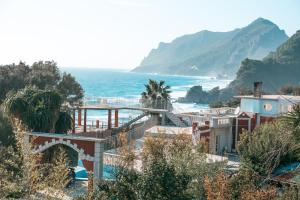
[[268, 107], [223, 121]]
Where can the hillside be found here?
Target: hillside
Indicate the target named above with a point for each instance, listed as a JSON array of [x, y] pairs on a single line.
[[214, 53], [278, 69]]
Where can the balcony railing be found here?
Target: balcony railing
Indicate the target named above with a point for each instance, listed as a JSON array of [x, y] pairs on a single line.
[[219, 122], [217, 111]]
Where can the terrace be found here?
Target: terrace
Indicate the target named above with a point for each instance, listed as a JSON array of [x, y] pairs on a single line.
[[109, 108]]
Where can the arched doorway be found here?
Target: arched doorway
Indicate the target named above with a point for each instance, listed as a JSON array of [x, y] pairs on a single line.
[[72, 157], [49, 154], [90, 150]]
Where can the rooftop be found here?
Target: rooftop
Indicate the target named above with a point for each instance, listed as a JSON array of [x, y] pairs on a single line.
[[168, 130], [272, 97]]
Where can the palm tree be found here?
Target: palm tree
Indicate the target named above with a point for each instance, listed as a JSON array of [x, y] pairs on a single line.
[[157, 95], [39, 110]]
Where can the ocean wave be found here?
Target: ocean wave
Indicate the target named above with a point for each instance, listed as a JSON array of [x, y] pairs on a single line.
[[177, 94], [188, 107]]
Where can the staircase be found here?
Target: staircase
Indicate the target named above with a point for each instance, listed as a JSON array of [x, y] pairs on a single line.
[[127, 125], [133, 132], [175, 120]]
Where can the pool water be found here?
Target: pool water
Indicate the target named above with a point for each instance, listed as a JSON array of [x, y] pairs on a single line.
[[82, 174]]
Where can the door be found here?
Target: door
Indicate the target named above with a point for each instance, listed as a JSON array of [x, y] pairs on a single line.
[[221, 144]]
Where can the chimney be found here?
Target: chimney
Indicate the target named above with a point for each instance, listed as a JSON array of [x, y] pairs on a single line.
[[257, 92]]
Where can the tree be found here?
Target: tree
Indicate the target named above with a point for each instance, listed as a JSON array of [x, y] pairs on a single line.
[[39, 110], [286, 89], [43, 75], [11, 172], [22, 174], [12, 78], [64, 122], [70, 90], [267, 147], [7, 137], [171, 169], [50, 154], [290, 90], [293, 117], [58, 172], [157, 95]]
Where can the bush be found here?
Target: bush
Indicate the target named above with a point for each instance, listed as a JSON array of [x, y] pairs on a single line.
[[7, 137], [172, 169], [39, 110], [267, 147]]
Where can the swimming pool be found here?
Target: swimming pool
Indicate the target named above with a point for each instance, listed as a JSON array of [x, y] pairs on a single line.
[[82, 174], [109, 171]]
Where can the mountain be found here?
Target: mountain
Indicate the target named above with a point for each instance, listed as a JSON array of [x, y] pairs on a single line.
[[214, 53], [278, 69]]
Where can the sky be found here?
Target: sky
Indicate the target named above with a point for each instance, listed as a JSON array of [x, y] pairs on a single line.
[[120, 33]]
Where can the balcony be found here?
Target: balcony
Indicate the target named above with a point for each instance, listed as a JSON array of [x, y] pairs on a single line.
[[220, 122]]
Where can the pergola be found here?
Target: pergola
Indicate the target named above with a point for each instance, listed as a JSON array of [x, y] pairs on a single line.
[[90, 107], [110, 110]]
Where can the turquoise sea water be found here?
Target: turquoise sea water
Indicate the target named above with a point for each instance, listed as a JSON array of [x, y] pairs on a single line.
[[124, 84]]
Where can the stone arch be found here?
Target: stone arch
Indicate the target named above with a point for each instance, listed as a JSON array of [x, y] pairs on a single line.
[[81, 152]]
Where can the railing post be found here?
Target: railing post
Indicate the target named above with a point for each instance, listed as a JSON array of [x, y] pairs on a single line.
[[109, 119], [79, 117], [73, 121], [116, 118], [84, 121]]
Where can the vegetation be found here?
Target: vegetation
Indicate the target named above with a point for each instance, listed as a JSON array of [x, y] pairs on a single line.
[[292, 119], [39, 110], [276, 70], [23, 176], [7, 137], [290, 90], [233, 103], [268, 146], [157, 95], [42, 75], [50, 155], [176, 169], [196, 94], [172, 169]]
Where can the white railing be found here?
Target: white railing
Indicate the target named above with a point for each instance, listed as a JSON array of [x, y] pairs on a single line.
[[217, 111], [128, 102], [113, 101], [190, 119], [220, 122]]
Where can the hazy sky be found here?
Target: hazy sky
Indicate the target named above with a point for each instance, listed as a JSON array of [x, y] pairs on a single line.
[[119, 33]]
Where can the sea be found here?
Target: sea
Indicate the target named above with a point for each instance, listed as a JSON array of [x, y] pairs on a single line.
[[126, 85]]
